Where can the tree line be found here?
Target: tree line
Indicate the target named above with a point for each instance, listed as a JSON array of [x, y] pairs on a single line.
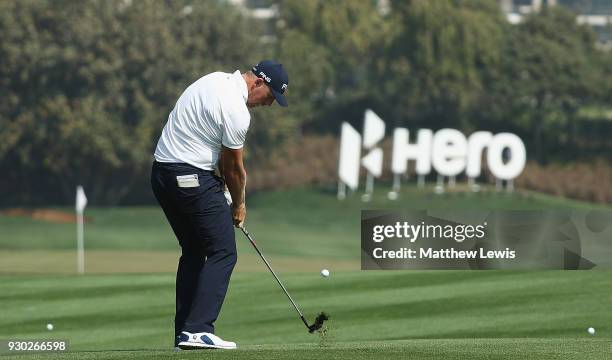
[[87, 85]]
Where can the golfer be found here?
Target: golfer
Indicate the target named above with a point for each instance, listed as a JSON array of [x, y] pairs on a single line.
[[206, 131]]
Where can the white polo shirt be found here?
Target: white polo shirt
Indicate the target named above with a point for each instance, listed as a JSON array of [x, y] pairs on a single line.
[[211, 112]]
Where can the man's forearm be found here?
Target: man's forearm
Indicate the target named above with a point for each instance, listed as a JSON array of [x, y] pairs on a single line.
[[235, 179]]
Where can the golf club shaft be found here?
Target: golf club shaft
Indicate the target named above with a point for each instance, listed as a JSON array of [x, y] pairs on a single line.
[[246, 233]]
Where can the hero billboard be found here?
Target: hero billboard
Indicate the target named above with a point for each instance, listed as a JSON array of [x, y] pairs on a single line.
[[448, 152]]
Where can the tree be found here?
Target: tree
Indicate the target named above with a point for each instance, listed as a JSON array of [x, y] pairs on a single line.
[[433, 69], [332, 48], [547, 74], [89, 85]]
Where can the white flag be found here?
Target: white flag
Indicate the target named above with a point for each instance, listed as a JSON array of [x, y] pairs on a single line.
[[81, 199]]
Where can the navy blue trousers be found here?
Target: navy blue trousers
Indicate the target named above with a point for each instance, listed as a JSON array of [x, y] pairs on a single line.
[[202, 222]]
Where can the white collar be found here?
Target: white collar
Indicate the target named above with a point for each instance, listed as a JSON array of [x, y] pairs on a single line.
[[242, 84]]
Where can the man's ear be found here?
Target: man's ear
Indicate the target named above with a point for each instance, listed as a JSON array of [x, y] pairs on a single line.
[[259, 82]]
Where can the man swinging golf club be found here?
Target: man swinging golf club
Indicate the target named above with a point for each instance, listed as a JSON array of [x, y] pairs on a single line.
[[206, 129]]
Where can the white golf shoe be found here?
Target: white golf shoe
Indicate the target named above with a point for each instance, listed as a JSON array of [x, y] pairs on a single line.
[[203, 340]]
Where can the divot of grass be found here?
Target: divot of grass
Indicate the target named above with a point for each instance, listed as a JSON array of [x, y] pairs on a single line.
[[327, 335]]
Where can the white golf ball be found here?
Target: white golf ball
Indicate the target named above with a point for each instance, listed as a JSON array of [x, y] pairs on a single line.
[[325, 273], [49, 326], [591, 331]]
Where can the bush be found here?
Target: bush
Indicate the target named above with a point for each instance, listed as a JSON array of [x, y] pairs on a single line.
[[582, 181]]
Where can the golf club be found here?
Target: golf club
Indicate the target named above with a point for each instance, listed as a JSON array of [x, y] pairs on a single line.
[[320, 318]]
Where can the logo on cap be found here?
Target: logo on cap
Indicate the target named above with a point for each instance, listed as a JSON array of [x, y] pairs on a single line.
[[266, 77]]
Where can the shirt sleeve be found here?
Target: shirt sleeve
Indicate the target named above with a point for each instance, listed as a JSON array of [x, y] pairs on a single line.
[[235, 127]]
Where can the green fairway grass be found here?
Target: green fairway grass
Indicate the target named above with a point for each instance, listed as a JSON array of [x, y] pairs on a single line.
[[123, 307], [450, 349], [141, 261], [375, 314]]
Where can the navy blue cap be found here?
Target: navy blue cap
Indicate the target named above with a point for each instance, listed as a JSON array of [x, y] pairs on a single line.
[[275, 76]]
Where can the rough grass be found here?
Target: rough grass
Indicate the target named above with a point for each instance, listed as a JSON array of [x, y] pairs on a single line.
[[296, 222]]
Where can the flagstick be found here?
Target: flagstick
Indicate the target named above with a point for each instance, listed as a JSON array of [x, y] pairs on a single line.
[[81, 203], [80, 245]]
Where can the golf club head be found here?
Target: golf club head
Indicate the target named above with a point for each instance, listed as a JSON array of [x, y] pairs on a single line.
[[318, 322]]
